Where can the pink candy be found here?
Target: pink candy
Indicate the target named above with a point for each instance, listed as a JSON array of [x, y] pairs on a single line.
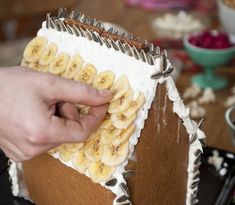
[[211, 40]]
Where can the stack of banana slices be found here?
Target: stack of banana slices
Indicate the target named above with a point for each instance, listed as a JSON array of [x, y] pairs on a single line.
[[108, 147]]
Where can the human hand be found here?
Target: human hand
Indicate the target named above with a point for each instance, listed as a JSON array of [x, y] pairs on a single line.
[[37, 111]]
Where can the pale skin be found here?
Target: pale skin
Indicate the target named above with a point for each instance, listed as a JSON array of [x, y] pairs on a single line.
[[37, 112]]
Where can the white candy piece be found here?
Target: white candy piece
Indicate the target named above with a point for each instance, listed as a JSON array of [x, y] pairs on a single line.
[[230, 101], [196, 111], [216, 160], [233, 90], [179, 24], [208, 96], [192, 92]]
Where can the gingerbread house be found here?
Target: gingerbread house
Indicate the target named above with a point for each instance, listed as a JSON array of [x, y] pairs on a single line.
[[147, 151]]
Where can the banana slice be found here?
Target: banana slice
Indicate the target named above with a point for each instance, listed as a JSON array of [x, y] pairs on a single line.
[[124, 136], [109, 135], [73, 66], [106, 124], [35, 66], [44, 68], [80, 162], [120, 121], [115, 155], [120, 87], [59, 64], [104, 80], [65, 155], [135, 105], [83, 109], [80, 106], [73, 147], [34, 49], [24, 63], [53, 150], [100, 172], [86, 74], [93, 149], [94, 135], [49, 54], [122, 103]]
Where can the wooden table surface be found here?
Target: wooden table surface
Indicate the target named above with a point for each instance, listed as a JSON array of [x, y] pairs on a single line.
[[15, 8], [138, 22], [214, 125]]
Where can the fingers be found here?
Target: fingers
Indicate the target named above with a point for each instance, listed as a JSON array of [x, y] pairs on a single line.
[[65, 130], [68, 111], [61, 89], [94, 118]]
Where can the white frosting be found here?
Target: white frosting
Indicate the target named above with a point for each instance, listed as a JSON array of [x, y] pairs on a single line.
[[103, 58], [192, 129], [139, 77], [14, 179], [18, 186]]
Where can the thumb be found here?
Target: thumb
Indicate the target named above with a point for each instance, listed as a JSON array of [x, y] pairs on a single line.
[[65, 90]]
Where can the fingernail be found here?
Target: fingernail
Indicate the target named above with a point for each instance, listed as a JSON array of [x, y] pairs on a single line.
[[106, 93]]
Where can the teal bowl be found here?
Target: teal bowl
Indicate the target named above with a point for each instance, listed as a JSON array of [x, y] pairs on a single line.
[[209, 59]]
